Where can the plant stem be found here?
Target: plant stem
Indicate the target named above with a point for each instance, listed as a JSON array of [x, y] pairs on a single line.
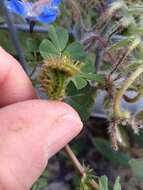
[[117, 110], [78, 166], [134, 44]]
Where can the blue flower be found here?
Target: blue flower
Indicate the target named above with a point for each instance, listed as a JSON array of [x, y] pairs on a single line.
[[45, 13]]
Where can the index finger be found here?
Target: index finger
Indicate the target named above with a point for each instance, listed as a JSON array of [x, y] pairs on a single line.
[[15, 86]]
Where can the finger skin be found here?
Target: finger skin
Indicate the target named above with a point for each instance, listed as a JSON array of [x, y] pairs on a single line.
[[30, 133], [14, 83]]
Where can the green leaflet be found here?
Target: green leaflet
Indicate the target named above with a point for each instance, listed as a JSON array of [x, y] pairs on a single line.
[[117, 185], [47, 49], [59, 36], [103, 183]]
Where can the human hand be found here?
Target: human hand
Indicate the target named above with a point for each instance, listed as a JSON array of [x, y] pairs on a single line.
[[31, 131]]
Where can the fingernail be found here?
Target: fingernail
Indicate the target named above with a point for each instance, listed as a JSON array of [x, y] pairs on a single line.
[[64, 130]]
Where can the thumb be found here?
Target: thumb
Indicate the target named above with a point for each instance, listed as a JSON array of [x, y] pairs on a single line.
[[30, 133]]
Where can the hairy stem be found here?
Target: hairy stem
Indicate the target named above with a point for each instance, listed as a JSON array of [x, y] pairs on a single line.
[[134, 44], [78, 166], [117, 110]]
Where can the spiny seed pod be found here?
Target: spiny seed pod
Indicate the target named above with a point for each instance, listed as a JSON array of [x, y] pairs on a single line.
[[54, 75]]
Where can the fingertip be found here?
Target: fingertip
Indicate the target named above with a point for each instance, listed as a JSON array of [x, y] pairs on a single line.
[[64, 130], [37, 128]]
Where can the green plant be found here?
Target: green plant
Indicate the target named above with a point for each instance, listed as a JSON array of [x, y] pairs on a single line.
[[95, 46]]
